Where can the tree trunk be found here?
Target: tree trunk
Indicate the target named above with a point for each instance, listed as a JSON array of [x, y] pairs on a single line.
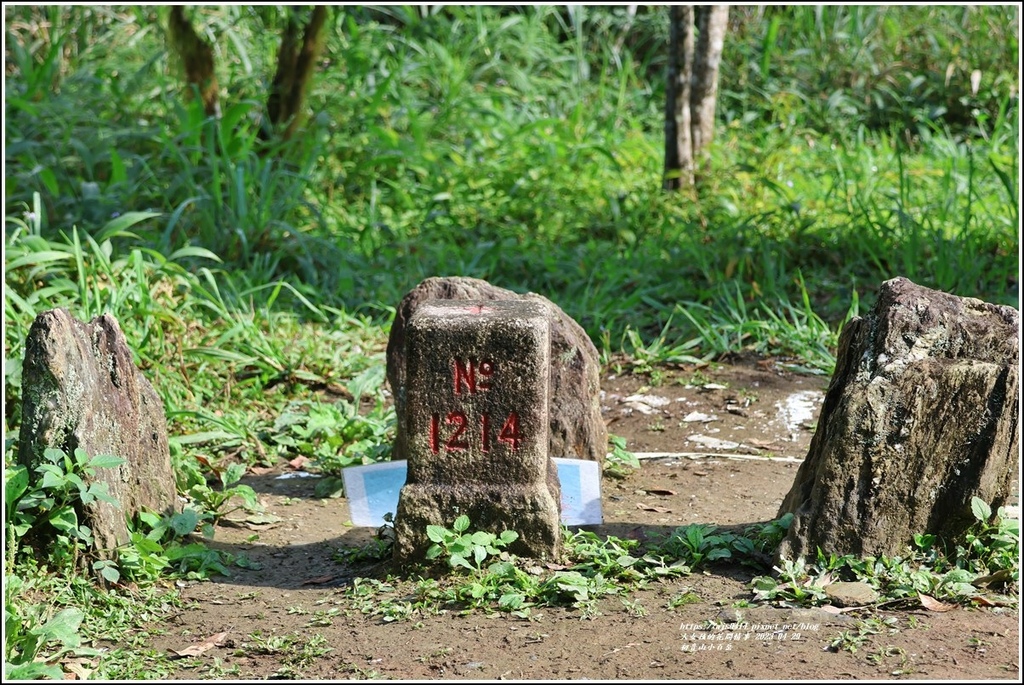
[[197, 57], [712, 21], [692, 88], [678, 143], [295, 63]]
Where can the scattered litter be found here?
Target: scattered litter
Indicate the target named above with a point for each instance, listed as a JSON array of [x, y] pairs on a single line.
[[695, 416], [714, 386], [713, 443], [297, 474], [736, 409], [646, 404], [711, 455]]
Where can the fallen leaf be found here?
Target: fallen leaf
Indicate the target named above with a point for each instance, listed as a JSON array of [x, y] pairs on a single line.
[[215, 640], [262, 519], [830, 609], [999, 578], [761, 443], [932, 604], [658, 491], [648, 507], [298, 462], [80, 669], [260, 470], [319, 580], [993, 601]]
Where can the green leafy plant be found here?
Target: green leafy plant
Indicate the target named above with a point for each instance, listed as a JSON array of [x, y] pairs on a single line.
[[992, 544], [50, 503], [696, 544], [336, 435], [619, 462], [216, 504], [27, 653], [466, 549]]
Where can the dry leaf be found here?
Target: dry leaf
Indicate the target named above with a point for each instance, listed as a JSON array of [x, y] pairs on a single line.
[[660, 492], [761, 443], [932, 604], [830, 609], [298, 462], [648, 507], [319, 580], [215, 640], [999, 578], [260, 470], [993, 601], [80, 669]]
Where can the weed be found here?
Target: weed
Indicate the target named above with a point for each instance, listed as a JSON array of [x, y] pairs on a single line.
[[683, 598], [634, 607], [458, 546], [619, 462], [50, 502]]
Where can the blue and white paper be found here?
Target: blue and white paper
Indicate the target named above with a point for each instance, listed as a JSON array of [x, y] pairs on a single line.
[[372, 491]]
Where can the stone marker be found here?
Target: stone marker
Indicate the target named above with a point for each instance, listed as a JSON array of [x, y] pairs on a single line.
[[80, 388], [920, 416], [576, 429], [475, 425]]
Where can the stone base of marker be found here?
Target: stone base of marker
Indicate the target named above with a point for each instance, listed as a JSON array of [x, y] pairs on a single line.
[[475, 421], [526, 510]]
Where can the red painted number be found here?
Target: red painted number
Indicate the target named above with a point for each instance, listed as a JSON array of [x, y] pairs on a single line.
[[456, 442], [509, 434], [510, 431]]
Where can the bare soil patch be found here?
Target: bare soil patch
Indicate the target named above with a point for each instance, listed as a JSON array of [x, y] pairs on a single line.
[[296, 591]]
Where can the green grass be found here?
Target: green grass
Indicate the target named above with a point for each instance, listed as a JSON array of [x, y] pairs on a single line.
[[523, 146]]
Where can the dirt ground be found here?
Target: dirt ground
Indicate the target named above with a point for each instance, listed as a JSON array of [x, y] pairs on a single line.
[[737, 434]]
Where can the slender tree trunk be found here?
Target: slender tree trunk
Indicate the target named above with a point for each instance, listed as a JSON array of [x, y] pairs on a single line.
[[197, 57], [678, 141], [296, 61], [692, 88], [712, 21]]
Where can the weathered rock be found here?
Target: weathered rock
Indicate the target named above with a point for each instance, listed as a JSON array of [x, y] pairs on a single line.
[[845, 594], [921, 415], [475, 425], [80, 388], [577, 430]]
